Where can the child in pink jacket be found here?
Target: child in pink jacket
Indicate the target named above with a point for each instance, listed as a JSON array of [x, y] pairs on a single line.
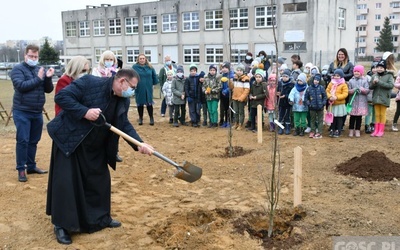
[[270, 101]]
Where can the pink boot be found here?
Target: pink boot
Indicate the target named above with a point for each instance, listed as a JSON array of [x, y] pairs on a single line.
[[376, 129], [381, 130]]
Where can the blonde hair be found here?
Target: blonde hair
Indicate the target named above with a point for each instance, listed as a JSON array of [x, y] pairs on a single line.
[[107, 54], [75, 66], [147, 61], [390, 63]]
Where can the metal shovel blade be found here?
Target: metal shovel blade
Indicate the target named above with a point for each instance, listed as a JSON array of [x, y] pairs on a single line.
[[188, 172]]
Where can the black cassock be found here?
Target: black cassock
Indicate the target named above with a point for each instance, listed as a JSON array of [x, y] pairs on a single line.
[[79, 187]]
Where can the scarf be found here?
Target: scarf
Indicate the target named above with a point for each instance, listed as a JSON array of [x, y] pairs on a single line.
[[335, 84], [301, 87], [106, 72]]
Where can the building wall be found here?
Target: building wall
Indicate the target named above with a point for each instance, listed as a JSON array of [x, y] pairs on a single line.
[[317, 27]]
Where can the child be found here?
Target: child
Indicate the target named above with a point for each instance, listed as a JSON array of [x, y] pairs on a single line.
[[296, 98], [212, 88], [285, 85], [225, 94], [397, 114], [241, 89], [315, 98], [203, 100], [167, 92], [358, 85], [337, 91], [258, 92], [270, 101], [192, 93], [382, 85], [179, 98], [370, 118], [296, 70]]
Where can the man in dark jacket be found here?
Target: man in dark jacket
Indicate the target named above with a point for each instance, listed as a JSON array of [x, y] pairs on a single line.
[[79, 187], [30, 83]]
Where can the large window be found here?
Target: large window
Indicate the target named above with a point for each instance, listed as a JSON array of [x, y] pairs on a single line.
[[169, 23], [239, 18], [342, 18], [84, 29], [294, 7], [361, 6], [149, 24], [97, 53], [132, 54], [395, 5], [114, 26], [238, 54], [190, 21], [99, 28], [70, 28], [117, 52], [214, 20], [191, 54], [214, 54], [265, 16], [131, 25], [361, 17]]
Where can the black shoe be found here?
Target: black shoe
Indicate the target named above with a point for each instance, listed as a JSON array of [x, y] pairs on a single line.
[[151, 121], [62, 235], [118, 158], [140, 121], [36, 171], [171, 120], [114, 223], [22, 176], [204, 124]]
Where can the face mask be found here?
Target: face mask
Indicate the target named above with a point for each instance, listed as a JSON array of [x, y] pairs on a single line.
[[32, 63], [128, 93], [248, 57], [306, 71], [324, 72], [80, 75], [261, 57], [168, 63], [108, 64], [180, 75]]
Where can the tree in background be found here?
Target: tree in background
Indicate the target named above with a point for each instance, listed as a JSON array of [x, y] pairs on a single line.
[[385, 39], [48, 55]]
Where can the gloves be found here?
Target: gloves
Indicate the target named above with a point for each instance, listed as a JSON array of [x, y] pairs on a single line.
[[225, 92]]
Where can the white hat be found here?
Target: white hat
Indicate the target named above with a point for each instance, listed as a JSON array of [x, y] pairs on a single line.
[[386, 55]]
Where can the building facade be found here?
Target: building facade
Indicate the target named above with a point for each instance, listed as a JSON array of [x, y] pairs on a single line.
[[211, 32], [370, 18]]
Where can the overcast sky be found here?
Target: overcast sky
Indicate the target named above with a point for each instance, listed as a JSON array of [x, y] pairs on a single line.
[[32, 20]]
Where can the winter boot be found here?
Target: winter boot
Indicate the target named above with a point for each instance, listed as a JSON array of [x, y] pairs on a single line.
[[248, 124], [372, 127], [151, 121], [394, 127], [271, 126], [376, 129], [381, 130], [368, 129], [351, 132], [280, 131], [358, 133], [296, 131], [302, 130], [287, 129], [140, 121]]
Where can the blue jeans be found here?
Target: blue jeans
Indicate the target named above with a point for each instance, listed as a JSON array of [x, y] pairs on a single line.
[[29, 131]]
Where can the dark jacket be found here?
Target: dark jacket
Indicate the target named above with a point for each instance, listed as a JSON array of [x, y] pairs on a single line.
[[347, 70], [315, 97], [382, 89], [260, 91], [284, 88], [193, 88], [29, 89], [70, 128], [144, 89]]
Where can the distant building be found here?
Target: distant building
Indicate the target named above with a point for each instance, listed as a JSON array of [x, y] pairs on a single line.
[[204, 32], [370, 18]]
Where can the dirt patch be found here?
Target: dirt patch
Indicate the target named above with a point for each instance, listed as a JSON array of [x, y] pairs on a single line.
[[371, 166], [235, 151]]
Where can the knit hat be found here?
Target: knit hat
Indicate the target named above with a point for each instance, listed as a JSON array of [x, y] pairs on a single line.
[[314, 70], [180, 69], [249, 54], [286, 72], [201, 75], [386, 55], [381, 63], [302, 77], [283, 67], [259, 72], [325, 69], [240, 67], [212, 66], [226, 65], [170, 72], [272, 77], [193, 66], [281, 60], [224, 79], [359, 68], [317, 77], [373, 65], [339, 72], [308, 65]]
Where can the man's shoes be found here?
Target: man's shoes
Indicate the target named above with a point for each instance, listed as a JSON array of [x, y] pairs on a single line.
[[114, 223], [36, 171], [62, 235], [22, 176], [118, 158]]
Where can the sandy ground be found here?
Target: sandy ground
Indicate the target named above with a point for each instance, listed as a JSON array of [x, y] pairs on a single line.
[[159, 211]]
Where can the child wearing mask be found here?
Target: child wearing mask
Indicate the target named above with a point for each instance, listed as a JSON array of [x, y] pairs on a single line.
[[300, 110], [179, 97], [167, 92]]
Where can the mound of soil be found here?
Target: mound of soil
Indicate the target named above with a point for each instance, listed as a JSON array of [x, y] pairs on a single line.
[[371, 166]]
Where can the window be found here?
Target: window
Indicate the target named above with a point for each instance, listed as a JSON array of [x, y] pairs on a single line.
[[361, 50], [238, 55], [265, 16], [149, 24], [131, 25], [294, 7], [132, 54], [191, 54], [214, 20], [239, 18], [84, 29], [117, 52], [394, 38], [361, 17], [191, 21], [295, 46], [361, 39], [70, 28], [151, 53], [114, 26], [169, 23], [378, 5], [361, 6], [97, 53], [214, 54], [377, 17], [395, 27], [361, 28], [99, 28], [377, 28], [376, 39], [393, 16], [395, 5], [342, 18]]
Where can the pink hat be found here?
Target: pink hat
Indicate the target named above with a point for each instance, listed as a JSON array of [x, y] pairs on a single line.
[[359, 68]]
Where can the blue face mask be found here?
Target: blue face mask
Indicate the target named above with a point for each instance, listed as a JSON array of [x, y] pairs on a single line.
[[128, 93], [32, 63], [108, 64], [261, 57], [168, 63]]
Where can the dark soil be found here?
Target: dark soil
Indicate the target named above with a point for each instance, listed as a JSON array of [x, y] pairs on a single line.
[[235, 151], [371, 166]]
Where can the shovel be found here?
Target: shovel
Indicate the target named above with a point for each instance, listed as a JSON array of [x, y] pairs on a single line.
[[349, 105], [188, 172]]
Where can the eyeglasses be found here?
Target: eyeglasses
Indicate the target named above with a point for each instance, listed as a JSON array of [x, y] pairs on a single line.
[[32, 56], [129, 84], [84, 71]]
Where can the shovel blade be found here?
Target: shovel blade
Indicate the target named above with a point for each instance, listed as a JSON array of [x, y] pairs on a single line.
[[188, 172]]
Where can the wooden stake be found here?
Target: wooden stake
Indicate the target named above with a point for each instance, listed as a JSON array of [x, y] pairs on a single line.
[[298, 159], [259, 124]]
